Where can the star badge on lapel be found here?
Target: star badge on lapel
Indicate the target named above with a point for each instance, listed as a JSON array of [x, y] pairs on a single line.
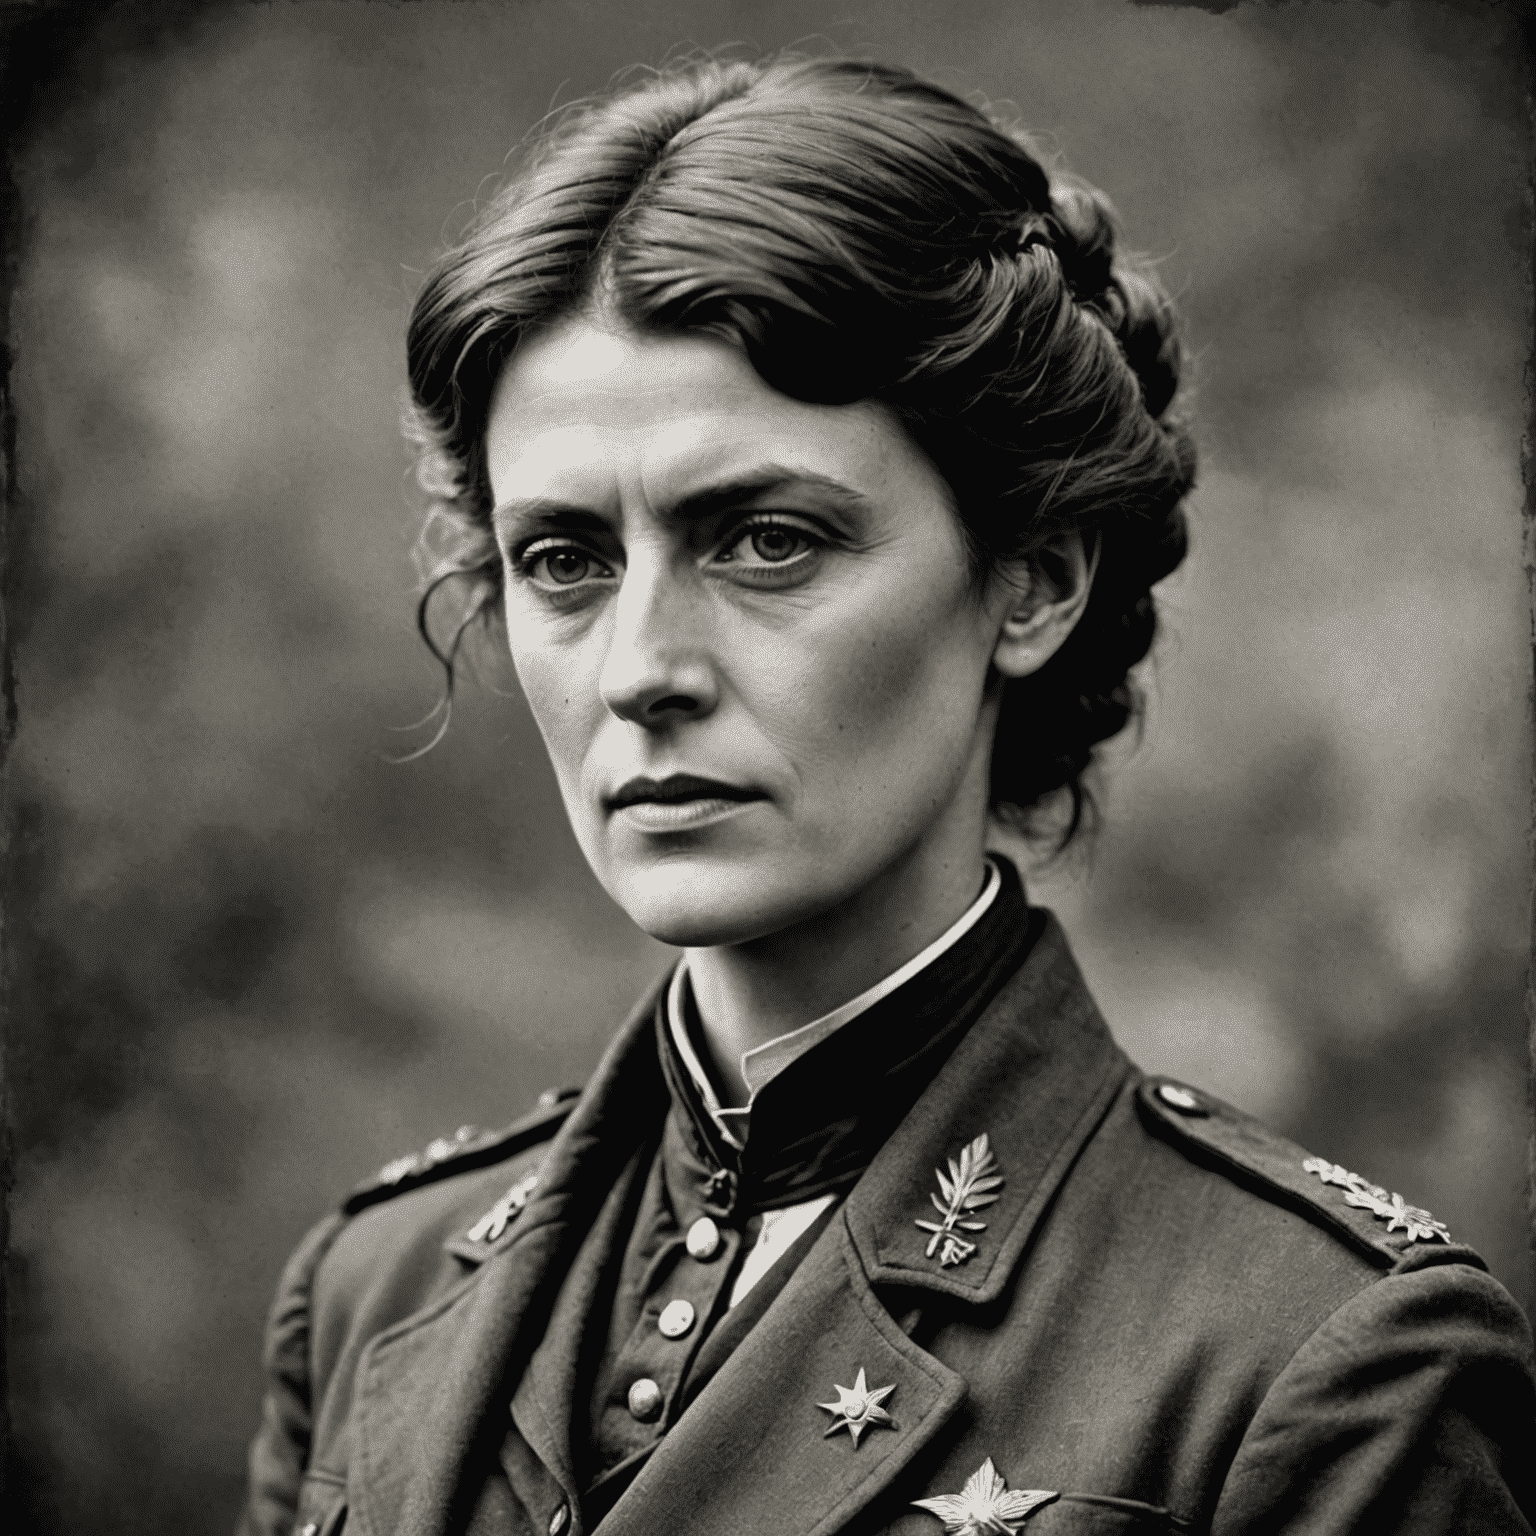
[[857, 1408], [986, 1506], [972, 1185]]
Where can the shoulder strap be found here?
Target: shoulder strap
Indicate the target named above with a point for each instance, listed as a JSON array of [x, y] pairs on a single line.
[[467, 1149], [1374, 1222]]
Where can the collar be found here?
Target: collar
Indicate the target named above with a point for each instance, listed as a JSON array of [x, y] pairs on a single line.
[[823, 1118], [763, 1063]]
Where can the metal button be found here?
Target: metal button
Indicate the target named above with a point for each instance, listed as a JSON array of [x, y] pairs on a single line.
[[558, 1519], [703, 1239], [1181, 1099], [645, 1399], [310, 1529], [675, 1320]]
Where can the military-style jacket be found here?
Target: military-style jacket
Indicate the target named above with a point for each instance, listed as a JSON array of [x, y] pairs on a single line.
[[1172, 1320]]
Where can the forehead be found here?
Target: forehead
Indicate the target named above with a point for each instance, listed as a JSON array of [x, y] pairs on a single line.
[[583, 407]]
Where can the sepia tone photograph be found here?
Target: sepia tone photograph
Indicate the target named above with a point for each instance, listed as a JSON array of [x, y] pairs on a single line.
[[768, 768]]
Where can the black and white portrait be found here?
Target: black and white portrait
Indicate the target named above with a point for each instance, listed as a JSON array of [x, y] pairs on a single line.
[[768, 769]]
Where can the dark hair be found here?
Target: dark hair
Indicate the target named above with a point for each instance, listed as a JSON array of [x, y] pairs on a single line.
[[861, 234]]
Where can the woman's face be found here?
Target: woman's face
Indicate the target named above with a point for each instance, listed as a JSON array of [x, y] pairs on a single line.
[[745, 625]]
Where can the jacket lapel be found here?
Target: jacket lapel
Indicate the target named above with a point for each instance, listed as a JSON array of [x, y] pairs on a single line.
[[544, 1405], [432, 1390], [1037, 1072]]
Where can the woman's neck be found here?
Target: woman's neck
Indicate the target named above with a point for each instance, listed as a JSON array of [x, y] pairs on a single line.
[[748, 994]]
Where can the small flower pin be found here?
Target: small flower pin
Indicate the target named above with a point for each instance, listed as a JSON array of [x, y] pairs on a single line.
[[971, 1185], [857, 1408], [985, 1506]]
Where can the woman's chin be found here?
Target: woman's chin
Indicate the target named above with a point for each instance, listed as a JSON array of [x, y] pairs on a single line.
[[693, 907]]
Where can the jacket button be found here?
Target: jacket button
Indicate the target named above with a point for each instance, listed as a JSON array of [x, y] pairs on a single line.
[[558, 1519], [645, 1399], [703, 1239], [1181, 1099], [675, 1320]]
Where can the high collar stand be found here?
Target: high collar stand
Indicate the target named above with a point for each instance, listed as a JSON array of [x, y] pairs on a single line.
[[819, 1123]]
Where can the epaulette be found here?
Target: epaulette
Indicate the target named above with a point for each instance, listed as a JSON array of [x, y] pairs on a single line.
[[1382, 1225], [466, 1149]]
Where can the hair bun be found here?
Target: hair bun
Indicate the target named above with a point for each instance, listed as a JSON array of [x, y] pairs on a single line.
[[1131, 304], [1085, 230], [1149, 338]]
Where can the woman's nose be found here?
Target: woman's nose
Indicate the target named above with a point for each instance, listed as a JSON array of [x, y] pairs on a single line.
[[657, 671]]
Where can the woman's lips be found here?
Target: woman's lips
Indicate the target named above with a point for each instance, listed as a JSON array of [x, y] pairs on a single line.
[[679, 801]]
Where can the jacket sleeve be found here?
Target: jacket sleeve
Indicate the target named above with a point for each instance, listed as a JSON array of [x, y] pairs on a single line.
[[1413, 1408], [280, 1450]]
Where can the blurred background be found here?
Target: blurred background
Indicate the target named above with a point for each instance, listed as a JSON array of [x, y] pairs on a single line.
[[251, 958]]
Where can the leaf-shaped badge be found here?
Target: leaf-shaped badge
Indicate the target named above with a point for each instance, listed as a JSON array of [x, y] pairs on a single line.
[[986, 1506], [1418, 1225], [971, 1186]]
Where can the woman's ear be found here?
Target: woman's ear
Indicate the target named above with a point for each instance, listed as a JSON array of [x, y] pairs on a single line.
[[1042, 599]]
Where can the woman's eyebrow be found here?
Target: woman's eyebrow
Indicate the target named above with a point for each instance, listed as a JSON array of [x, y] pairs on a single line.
[[535, 514], [539, 512], [765, 481]]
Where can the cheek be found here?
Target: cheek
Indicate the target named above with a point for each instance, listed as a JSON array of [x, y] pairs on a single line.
[[894, 687], [559, 692]]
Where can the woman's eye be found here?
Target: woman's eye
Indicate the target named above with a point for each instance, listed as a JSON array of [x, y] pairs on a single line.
[[567, 566], [771, 544], [561, 565], [775, 544]]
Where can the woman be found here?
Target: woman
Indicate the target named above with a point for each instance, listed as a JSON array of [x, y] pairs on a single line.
[[816, 452]]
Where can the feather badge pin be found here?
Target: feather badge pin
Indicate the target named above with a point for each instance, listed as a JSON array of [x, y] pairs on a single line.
[[971, 1186]]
